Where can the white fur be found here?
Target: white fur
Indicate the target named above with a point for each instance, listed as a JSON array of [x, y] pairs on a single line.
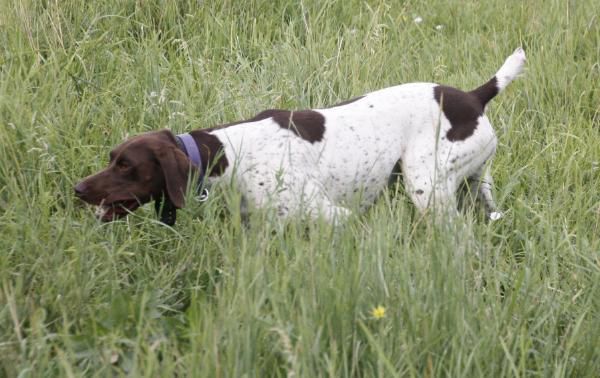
[[511, 68], [362, 142]]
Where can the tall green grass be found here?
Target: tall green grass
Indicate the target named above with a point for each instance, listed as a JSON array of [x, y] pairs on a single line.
[[214, 297]]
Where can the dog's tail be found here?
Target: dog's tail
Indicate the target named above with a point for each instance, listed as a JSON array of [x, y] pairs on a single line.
[[509, 71]]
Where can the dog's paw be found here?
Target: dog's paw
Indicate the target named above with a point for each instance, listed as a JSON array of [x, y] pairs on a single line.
[[495, 215]]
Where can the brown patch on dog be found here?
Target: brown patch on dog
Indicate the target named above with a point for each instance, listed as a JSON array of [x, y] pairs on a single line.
[[487, 91], [214, 161], [307, 124], [462, 110]]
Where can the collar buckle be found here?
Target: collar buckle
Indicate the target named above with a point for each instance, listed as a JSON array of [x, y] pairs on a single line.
[[203, 195]]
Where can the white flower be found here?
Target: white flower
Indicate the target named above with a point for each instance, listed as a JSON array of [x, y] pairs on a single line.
[[418, 20], [439, 27]]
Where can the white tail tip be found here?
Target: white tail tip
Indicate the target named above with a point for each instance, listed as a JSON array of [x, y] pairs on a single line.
[[511, 68]]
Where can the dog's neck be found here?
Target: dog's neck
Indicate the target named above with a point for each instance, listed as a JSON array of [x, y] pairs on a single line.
[[212, 157], [205, 151], [189, 146]]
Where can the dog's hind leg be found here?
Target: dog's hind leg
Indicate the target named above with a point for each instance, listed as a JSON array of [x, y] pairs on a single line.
[[482, 183], [428, 190]]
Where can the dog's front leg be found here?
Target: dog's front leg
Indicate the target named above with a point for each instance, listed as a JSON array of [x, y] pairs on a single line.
[[166, 211]]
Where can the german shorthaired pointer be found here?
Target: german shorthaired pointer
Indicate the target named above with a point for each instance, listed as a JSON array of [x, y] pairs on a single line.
[[316, 162]]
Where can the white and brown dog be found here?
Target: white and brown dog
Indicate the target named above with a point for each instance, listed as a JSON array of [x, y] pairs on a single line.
[[318, 161]]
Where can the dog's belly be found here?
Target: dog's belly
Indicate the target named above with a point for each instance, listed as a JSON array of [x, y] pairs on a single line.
[[357, 170]]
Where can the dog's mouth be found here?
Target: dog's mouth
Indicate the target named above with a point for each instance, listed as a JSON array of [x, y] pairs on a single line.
[[116, 210]]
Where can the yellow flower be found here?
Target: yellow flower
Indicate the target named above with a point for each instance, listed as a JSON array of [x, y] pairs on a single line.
[[378, 312]]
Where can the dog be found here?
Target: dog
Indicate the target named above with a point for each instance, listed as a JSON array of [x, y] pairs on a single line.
[[316, 162]]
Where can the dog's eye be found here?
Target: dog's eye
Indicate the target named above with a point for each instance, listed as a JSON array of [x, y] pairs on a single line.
[[123, 164]]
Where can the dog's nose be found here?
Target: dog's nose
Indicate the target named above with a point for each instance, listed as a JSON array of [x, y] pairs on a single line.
[[80, 189]]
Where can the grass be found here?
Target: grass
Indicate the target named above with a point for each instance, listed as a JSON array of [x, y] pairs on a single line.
[[214, 298]]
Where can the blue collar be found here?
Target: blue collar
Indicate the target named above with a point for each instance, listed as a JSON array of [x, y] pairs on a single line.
[[187, 143], [165, 209], [191, 149]]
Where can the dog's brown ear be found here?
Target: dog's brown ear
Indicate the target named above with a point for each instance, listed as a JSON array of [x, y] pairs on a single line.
[[176, 169]]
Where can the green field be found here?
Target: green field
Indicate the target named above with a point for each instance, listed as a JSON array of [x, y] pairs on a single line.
[[215, 297]]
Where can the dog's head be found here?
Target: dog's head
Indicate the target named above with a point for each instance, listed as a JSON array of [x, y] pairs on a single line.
[[144, 168]]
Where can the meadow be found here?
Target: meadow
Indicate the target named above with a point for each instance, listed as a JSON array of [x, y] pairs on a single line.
[[218, 297]]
